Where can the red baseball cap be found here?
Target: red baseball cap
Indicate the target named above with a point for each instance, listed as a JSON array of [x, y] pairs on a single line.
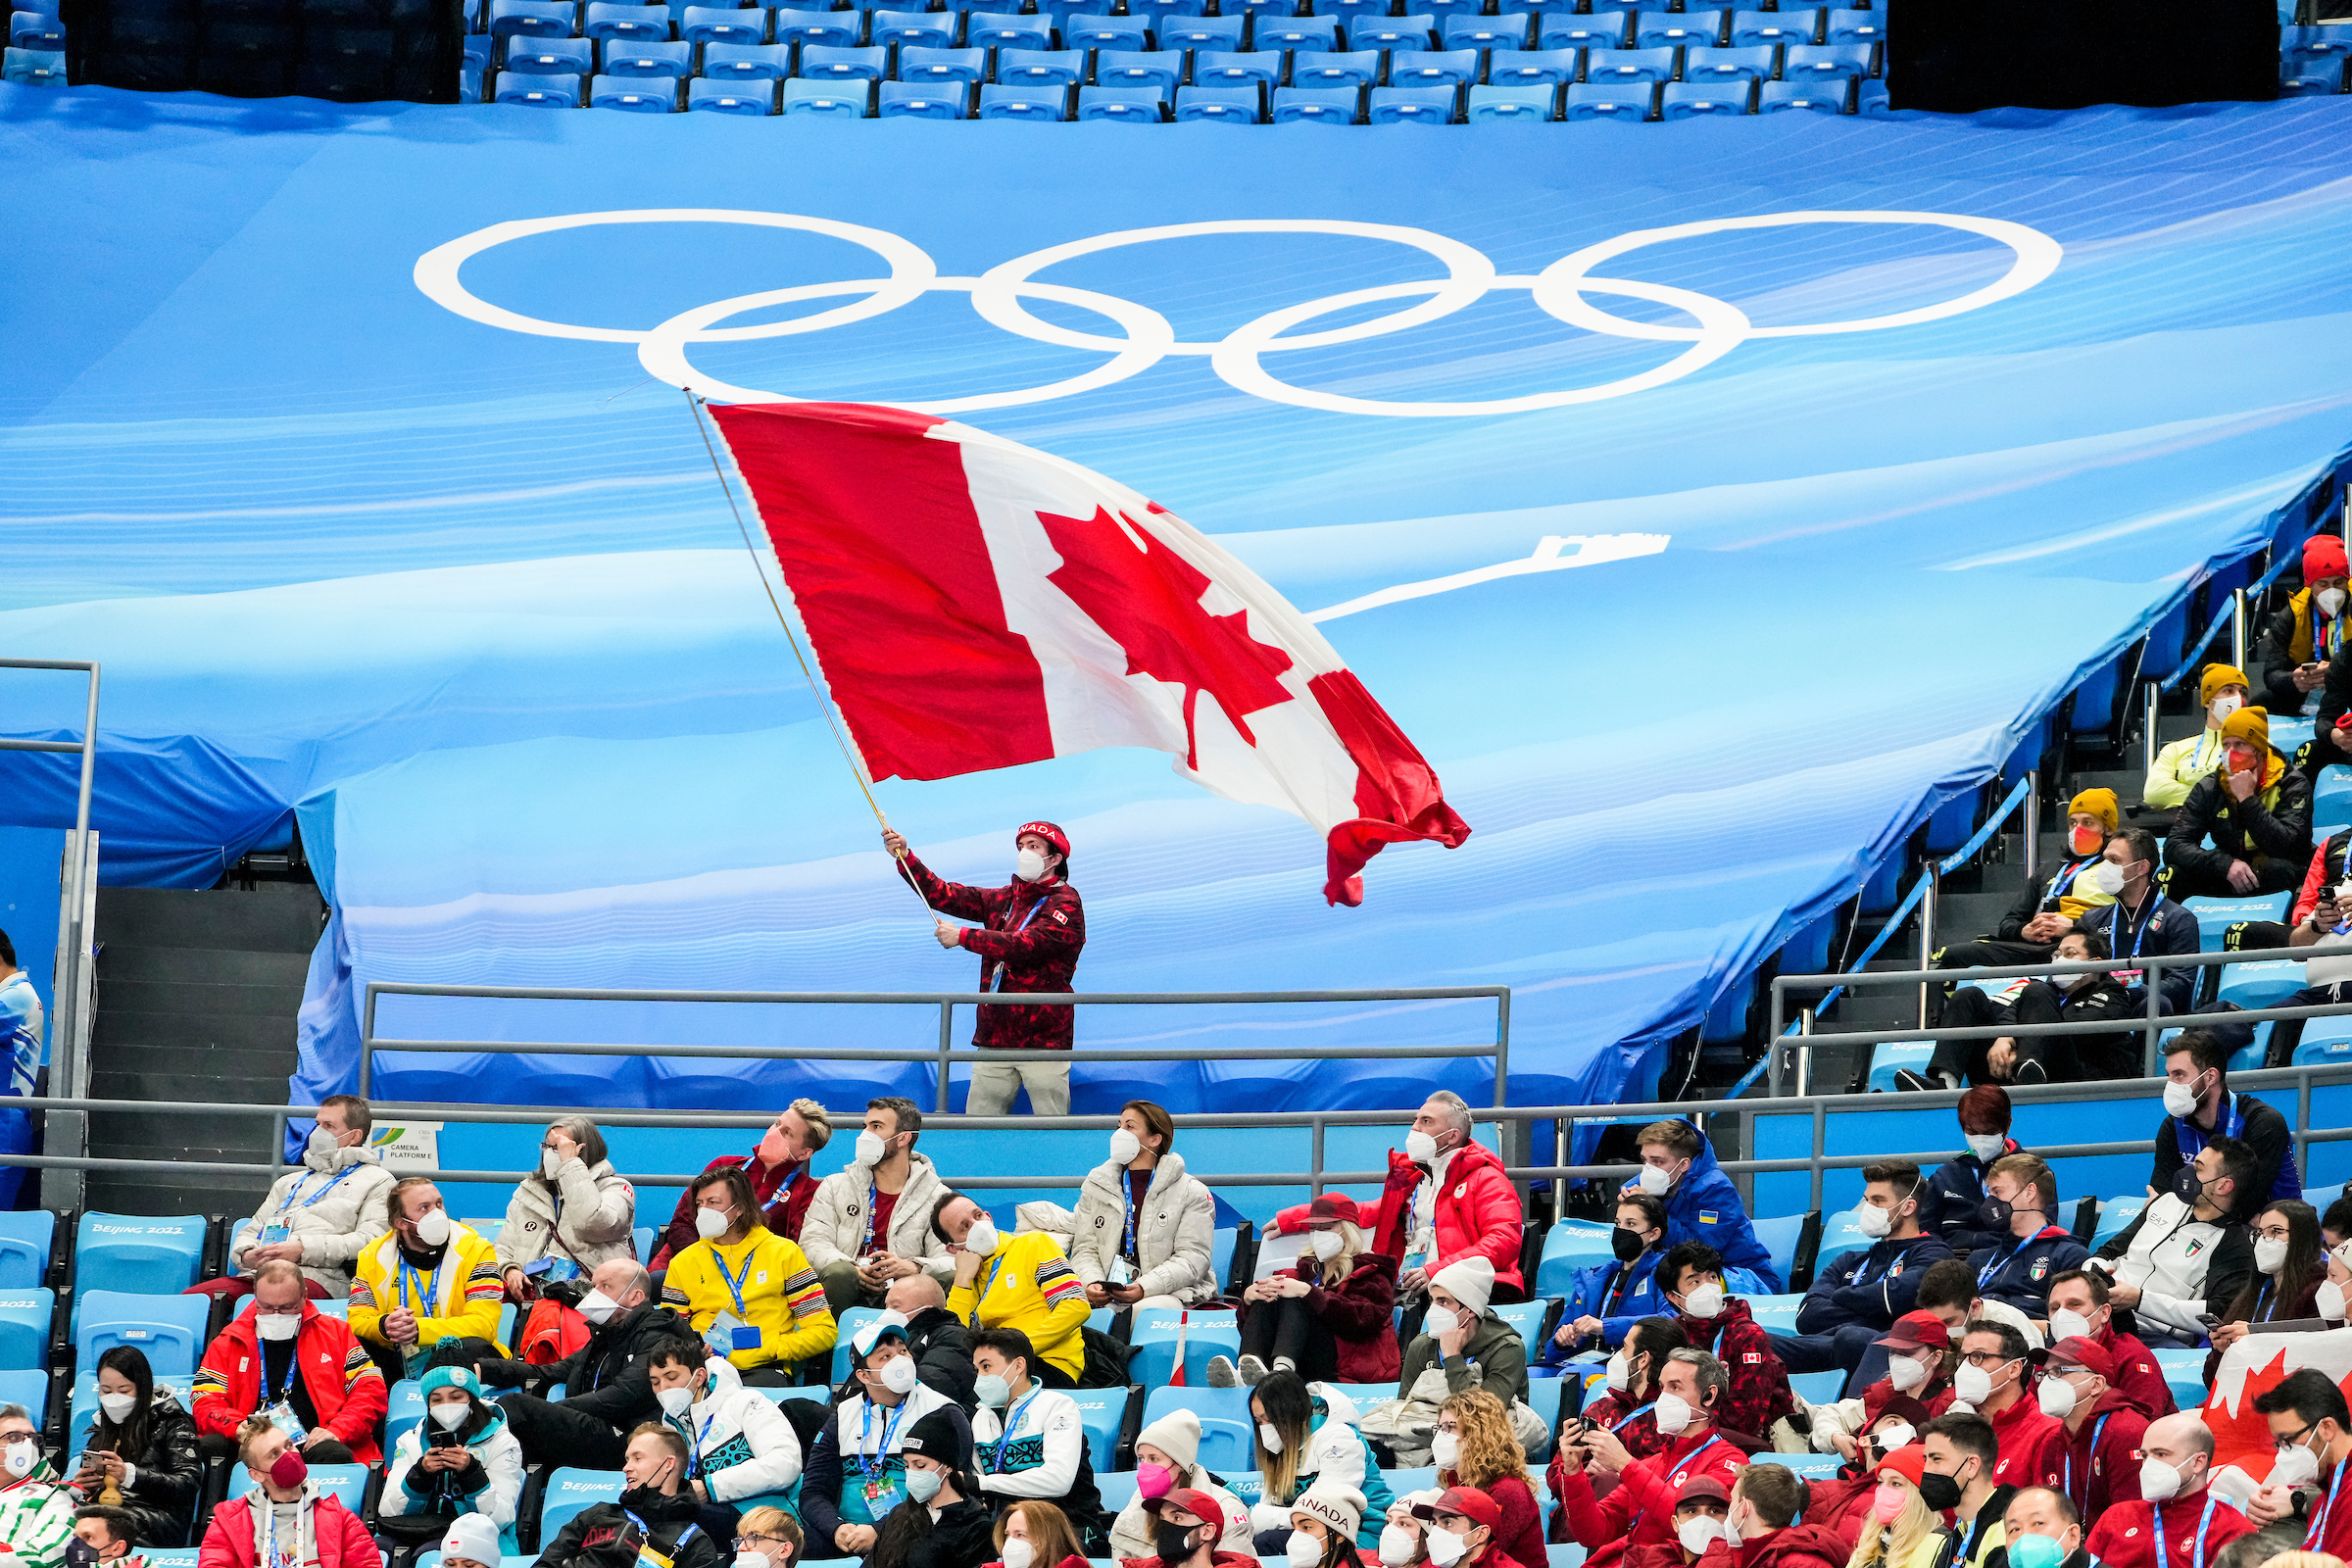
[[1468, 1501], [2322, 557], [1047, 831], [1702, 1488], [1201, 1505], [1323, 1210], [2074, 1351], [1918, 1330]]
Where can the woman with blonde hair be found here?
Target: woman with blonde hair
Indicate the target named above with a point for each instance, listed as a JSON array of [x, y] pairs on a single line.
[[1899, 1530], [1034, 1533], [1474, 1447], [1331, 1316]]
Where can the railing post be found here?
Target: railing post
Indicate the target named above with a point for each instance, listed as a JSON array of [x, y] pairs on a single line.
[[2152, 969], [1502, 1047], [1804, 1053], [1314, 1159], [947, 1035], [2032, 825], [2152, 708], [1927, 936], [1559, 1156], [2237, 628]]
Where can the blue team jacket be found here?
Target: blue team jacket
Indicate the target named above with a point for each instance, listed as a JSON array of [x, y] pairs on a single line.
[[1704, 1206], [2020, 1272], [1874, 1286], [1588, 1295]]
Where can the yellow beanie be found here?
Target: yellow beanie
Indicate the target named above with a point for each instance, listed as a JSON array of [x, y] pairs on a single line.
[[2249, 724], [2100, 803], [2218, 676]]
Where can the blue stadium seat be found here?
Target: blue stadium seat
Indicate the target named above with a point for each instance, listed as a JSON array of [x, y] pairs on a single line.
[[1123, 67], [1157, 11], [168, 1329], [827, 29], [1857, 26], [917, 29], [1780, 1235], [2325, 1042], [2289, 732], [1750, 28], [2311, 43], [2214, 917], [1217, 34], [833, 65], [1812, 1466], [756, 97], [1226, 1430], [1571, 1244], [1101, 1412], [1348, 11], [926, 100], [2185, 1373], [1827, 62], [1116, 1490], [2261, 985], [1532, 67], [1296, 33], [933, 66], [38, 31], [540, 93], [846, 1329], [1599, 32], [1259, 10], [633, 59], [2331, 800], [1392, 32], [1528, 1318], [1752, 64], [846, 99], [1872, 98], [1126, 35], [1511, 31], [1494, 103], [1215, 69], [1431, 68], [998, 29], [1617, 66], [570, 1492], [553, 56], [1205, 1336], [1142, 106], [1818, 1387], [345, 1481], [1668, 29], [1062, 11], [1348, 68], [25, 1317], [1840, 1234], [637, 95], [737, 63], [26, 1241], [1339, 104], [2320, 1197], [1889, 1057], [532, 18], [140, 1253], [2116, 1215], [30, 1389], [2311, 78], [1401, 1482], [1239, 105], [1826, 98], [1775, 1312], [632, 23], [1417, 104], [1039, 68], [1024, 103], [404, 1408], [710, 25], [1694, 100], [477, 53]]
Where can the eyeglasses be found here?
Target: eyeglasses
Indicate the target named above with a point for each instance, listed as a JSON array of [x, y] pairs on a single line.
[[2273, 1233], [743, 1541], [1986, 1360], [2285, 1440]]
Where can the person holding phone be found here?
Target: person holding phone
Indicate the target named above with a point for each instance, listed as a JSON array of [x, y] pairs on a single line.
[[141, 1449], [2298, 641], [460, 1459]]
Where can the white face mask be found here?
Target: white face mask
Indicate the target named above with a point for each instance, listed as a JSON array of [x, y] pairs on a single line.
[[710, 1224], [982, 1237], [2158, 1482], [1972, 1383], [451, 1415], [923, 1484], [1269, 1436], [1017, 1553], [1671, 1413], [2107, 877], [598, 1307], [1873, 1221], [1440, 1320], [1621, 1373], [899, 1374], [1419, 1146], [1124, 1146], [2332, 1301], [994, 1392], [550, 1162], [433, 1228], [2292, 1468], [2331, 600], [1697, 1533], [277, 1325], [324, 1143], [751, 1560], [1446, 1548], [2058, 1400], [1906, 1372], [1397, 1547], [1654, 1181], [2180, 1099], [1705, 1301], [1897, 1435], [2066, 1325], [18, 1458], [677, 1400], [116, 1405], [1303, 1550], [2223, 705], [1445, 1448], [870, 1147], [1028, 865], [1324, 1244], [2270, 1251], [1985, 1147]]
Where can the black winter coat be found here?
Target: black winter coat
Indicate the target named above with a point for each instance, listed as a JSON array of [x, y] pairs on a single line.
[[603, 1537], [2241, 830], [165, 1475], [606, 1378]]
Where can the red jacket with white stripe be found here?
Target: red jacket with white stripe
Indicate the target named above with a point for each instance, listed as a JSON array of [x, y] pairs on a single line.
[[345, 1387]]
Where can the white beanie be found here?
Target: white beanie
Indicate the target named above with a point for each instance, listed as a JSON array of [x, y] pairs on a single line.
[[473, 1536], [1470, 1281], [1339, 1506], [1176, 1435]]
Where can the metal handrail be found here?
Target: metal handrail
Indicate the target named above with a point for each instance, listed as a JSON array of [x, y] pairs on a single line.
[[944, 1053]]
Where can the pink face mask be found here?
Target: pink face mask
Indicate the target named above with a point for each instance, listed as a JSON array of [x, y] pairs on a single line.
[[772, 1149], [290, 1470], [1155, 1479], [1886, 1505]]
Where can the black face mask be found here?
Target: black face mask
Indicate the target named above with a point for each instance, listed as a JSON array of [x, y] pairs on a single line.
[[1998, 1212], [1627, 1245], [2187, 1187], [1938, 1492], [1173, 1543]]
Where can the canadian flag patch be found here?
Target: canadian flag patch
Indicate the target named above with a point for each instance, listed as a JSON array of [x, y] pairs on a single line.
[[1752, 1358]]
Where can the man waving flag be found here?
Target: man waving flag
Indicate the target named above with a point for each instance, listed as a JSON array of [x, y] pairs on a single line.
[[976, 604]]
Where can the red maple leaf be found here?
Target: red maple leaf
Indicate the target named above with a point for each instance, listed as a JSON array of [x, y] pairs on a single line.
[[1147, 599]]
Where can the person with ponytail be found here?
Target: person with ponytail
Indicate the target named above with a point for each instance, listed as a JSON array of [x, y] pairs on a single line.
[[1034, 1533], [944, 1520], [1900, 1531], [1330, 1316], [1306, 1434], [1474, 1447]]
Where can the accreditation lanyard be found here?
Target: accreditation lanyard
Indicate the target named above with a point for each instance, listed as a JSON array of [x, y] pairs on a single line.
[[2204, 1523], [2232, 1123], [2096, 1433], [868, 1245], [1636, 1416], [1673, 1478], [416, 1287], [986, 1285], [2064, 881], [871, 1465], [1135, 1206], [2141, 929], [998, 984], [735, 1281], [1984, 1275], [2319, 1526], [645, 1537], [333, 1182], [1012, 1419]]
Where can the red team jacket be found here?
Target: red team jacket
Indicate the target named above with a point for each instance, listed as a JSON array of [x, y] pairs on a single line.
[[1030, 939]]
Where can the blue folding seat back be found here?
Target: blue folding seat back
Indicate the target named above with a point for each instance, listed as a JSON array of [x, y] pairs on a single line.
[[1857, 26], [821, 64], [1323, 72], [1570, 1245], [2261, 985], [920, 29], [2332, 798], [1775, 1315], [532, 18], [848, 99], [2314, 43], [2326, 1042], [1142, 106], [2214, 917], [1812, 1466], [25, 1319], [1596, 31], [2116, 1215], [1509, 30], [1124, 68], [1752, 64], [1527, 1317], [1157, 11], [1243, 106], [735, 63], [630, 59], [1226, 1430], [1628, 66], [997, 29], [1212, 70], [707, 24], [552, 57], [35, 29], [1392, 32], [137, 1252], [943, 65], [1338, 104], [1823, 62], [26, 1241], [1431, 68], [1261, 10], [827, 29], [1434, 105], [1131, 34], [404, 1408], [2311, 78], [1296, 33], [1219, 34], [1102, 1412], [1156, 1336], [636, 23], [1701, 100], [540, 93], [1890, 1058], [170, 1330], [1780, 1235], [641, 95], [1348, 10], [1533, 68], [926, 100], [1750, 28], [1821, 97], [570, 1492], [846, 1329], [756, 97], [1662, 29], [1039, 67], [999, 102]]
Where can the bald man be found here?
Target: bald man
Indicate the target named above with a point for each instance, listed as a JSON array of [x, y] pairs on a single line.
[[2177, 1508], [941, 1344]]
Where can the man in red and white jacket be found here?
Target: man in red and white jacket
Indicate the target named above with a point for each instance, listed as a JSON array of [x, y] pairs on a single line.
[[1446, 1199], [286, 1351], [327, 1533], [1640, 1510], [2175, 1506]]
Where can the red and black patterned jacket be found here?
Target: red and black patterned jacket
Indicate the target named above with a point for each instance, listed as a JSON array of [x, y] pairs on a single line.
[[1031, 934], [1760, 1392]]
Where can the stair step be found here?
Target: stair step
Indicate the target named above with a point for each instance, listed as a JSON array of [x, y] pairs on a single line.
[[126, 1060], [122, 962], [284, 919], [200, 1001], [194, 1087], [186, 1031]]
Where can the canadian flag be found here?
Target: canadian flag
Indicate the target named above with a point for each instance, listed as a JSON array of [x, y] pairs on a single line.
[[976, 604], [2250, 1368]]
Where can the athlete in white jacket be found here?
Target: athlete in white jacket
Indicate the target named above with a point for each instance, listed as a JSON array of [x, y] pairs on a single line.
[[1144, 1233], [742, 1446], [477, 1464], [323, 1213]]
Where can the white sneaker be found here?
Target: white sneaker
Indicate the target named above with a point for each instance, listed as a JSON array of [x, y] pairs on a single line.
[[1253, 1371], [1220, 1373]]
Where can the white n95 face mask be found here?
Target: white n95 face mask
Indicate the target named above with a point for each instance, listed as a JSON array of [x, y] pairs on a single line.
[[598, 1307], [2223, 705], [1621, 1373], [1671, 1413], [1705, 1301], [1697, 1533], [870, 1147], [982, 1237], [899, 1374], [2066, 1325], [2158, 1482], [1446, 1548], [1985, 1147], [18, 1458], [751, 1560], [1906, 1372], [710, 1224], [1440, 1320], [2331, 600], [451, 1414], [1303, 1550], [2179, 1100], [2057, 1398], [433, 1228], [321, 1142], [2270, 1251], [675, 1402], [1873, 1221], [1324, 1244], [1972, 1383], [1445, 1448], [1269, 1436], [1419, 1146], [2107, 877], [1653, 1181], [1028, 865], [1018, 1553], [2292, 1468], [1397, 1547], [1124, 1146], [2332, 1301], [116, 1405], [277, 1325], [550, 1162]]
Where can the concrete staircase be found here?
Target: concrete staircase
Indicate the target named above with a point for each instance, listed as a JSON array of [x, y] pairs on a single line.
[[197, 997]]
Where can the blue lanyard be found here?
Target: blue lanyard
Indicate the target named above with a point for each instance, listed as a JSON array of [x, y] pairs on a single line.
[[333, 1182], [2064, 881], [879, 1461], [2164, 1548], [868, 1245], [645, 1535], [1012, 1418], [998, 984], [1636, 1416], [1134, 1209], [2191, 1142], [270, 1396], [410, 1279], [694, 1443], [1985, 1274], [1673, 1478], [2147, 916], [2084, 1502], [2319, 1526], [735, 1281]]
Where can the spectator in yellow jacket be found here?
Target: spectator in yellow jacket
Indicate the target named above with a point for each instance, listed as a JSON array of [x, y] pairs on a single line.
[[2222, 690], [1015, 1282], [427, 1279], [750, 1293]]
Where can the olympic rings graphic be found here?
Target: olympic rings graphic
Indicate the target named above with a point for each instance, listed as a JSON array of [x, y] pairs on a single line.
[[1560, 291]]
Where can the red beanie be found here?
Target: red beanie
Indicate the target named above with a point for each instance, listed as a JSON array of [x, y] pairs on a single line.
[[2324, 556]]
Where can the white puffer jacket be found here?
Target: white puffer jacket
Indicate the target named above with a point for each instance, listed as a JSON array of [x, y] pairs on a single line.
[[498, 1449], [743, 1445], [598, 1209], [347, 1215], [835, 1225], [1175, 1237]]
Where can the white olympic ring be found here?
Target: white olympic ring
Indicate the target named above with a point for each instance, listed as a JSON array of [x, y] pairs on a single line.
[[1559, 290]]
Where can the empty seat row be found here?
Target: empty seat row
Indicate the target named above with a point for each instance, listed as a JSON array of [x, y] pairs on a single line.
[[1615, 27]]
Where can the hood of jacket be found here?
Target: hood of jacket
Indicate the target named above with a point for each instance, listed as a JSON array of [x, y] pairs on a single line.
[[1793, 1542], [1111, 1177], [340, 1159]]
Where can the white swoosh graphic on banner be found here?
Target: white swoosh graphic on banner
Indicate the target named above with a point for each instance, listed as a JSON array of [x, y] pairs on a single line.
[[1591, 551]]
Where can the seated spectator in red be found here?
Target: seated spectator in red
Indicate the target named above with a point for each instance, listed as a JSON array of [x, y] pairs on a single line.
[[778, 1171], [2174, 1506], [1995, 1380], [1627, 1410], [1640, 1510], [2098, 1450], [2255, 808], [1840, 1504], [1691, 1277], [245, 1531], [1700, 1509], [1186, 1527], [1330, 1317], [2081, 1307], [1474, 1447], [1447, 1198], [1761, 1529], [1463, 1527], [287, 1357]]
